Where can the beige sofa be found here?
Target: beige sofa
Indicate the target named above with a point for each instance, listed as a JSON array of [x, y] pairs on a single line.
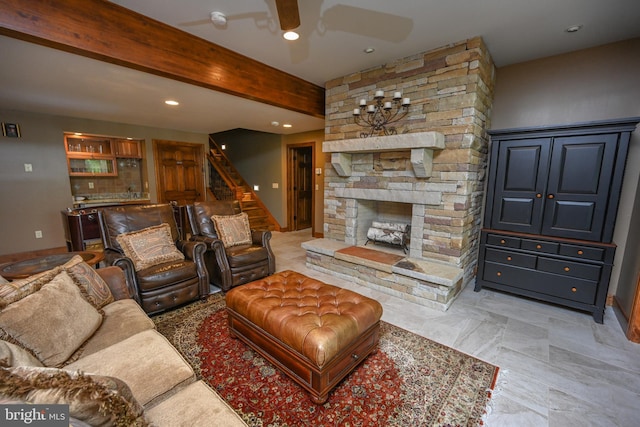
[[68, 338]]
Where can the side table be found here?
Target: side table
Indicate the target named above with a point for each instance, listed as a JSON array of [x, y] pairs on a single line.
[[28, 267]]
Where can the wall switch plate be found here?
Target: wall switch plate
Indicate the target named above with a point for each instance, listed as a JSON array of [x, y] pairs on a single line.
[[38, 234], [90, 185], [28, 167], [256, 188], [275, 185]]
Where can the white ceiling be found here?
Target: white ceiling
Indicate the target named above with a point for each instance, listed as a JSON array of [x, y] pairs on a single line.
[[334, 34]]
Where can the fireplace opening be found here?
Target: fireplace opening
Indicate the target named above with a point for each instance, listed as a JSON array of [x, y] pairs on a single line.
[[370, 211]]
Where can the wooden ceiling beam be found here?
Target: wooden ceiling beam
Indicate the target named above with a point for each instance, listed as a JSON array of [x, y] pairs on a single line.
[[108, 32]]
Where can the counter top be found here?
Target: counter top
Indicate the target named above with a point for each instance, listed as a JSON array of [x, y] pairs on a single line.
[[92, 203]]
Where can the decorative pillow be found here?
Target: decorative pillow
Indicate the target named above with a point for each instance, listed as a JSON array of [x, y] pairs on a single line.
[[11, 292], [233, 230], [12, 355], [95, 399], [51, 323], [150, 246], [94, 288]]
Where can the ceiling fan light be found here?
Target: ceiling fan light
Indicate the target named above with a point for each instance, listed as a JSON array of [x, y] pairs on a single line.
[[291, 35]]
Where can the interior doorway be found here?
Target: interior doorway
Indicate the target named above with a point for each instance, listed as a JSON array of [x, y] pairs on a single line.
[[300, 200], [179, 171]]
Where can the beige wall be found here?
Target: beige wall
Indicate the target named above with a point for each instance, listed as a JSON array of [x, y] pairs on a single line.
[[33, 201], [592, 84]]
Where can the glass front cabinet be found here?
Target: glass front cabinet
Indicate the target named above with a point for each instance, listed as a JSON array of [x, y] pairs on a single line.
[[90, 156]]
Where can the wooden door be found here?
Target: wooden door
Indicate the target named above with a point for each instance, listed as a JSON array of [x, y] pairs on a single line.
[[578, 188], [179, 171], [300, 189], [521, 180]]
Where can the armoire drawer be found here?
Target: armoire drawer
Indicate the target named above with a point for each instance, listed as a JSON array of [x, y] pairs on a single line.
[[506, 241], [568, 268], [510, 257], [539, 246], [578, 251], [570, 288]]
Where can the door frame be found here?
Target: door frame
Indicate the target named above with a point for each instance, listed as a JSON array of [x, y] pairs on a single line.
[[291, 211], [157, 143]]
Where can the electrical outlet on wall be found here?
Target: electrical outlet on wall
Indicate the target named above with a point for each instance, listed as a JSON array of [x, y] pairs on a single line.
[[38, 234], [90, 185]]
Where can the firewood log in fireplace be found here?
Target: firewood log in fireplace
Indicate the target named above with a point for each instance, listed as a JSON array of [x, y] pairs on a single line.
[[395, 234]]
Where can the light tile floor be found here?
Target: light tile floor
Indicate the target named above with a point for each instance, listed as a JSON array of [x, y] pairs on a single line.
[[558, 367]]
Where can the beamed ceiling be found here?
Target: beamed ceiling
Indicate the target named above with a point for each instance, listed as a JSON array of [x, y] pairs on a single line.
[[119, 60]]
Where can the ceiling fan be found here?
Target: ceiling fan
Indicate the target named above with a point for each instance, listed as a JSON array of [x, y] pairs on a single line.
[[288, 14]]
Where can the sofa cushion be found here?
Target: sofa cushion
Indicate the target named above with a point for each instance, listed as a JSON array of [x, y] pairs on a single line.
[[168, 273], [195, 405], [120, 320], [95, 399], [149, 246], [13, 355], [239, 256], [11, 292], [233, 230], [52, 323], [147, 362], [95, 289]]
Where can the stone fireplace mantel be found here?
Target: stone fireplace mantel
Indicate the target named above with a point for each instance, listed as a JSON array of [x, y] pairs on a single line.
[[421, 145]]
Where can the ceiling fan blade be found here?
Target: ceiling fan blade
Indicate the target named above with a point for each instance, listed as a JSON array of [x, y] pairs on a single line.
[[288, 14]]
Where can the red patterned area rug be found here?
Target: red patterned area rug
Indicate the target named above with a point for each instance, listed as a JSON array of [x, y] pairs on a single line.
[[408, 381]]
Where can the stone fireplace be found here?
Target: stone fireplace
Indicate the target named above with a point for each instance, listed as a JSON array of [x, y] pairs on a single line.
[[430, 175]]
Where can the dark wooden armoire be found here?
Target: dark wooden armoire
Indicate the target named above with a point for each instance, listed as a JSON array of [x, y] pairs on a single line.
[[550, 211]]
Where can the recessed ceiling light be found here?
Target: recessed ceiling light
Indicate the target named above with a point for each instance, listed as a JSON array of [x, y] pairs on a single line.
[[171, 102], [274, 123], [369, 50], [286, 125], [291, 35], [573, 28]]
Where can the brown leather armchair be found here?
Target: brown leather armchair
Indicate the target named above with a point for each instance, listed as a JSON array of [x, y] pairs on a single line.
[[236, 265], [165, 285]]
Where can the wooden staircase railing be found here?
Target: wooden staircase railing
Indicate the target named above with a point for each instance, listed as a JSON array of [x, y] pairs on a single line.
[[226, 183]]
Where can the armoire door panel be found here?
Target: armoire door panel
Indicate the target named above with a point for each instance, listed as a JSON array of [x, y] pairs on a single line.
[[578, 189], [520, 183]]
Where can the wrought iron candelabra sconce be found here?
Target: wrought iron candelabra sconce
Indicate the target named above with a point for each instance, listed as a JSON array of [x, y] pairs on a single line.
[[378, 117]]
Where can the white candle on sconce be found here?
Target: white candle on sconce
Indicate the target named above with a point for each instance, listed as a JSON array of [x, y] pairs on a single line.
[[370, 108], [397, 95], [356, 111], [406, 101], [379, 94], [387, 105], [363, 102]]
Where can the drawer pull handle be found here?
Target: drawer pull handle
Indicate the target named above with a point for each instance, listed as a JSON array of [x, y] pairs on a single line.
[[580, 252], [539, 196], [574, 289], [508, 258], [538, 246], [498, 274], [550, 196], [502, 241], [355, 356], [567, 269]]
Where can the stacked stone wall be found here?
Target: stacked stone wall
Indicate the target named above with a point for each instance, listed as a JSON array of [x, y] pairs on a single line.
[[451, 92]]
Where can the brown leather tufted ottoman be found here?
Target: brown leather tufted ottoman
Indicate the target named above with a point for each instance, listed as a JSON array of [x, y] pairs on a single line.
[[315, 332]]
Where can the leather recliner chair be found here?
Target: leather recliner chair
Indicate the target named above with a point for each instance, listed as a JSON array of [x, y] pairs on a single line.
[[168, 284], [235, 265]]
